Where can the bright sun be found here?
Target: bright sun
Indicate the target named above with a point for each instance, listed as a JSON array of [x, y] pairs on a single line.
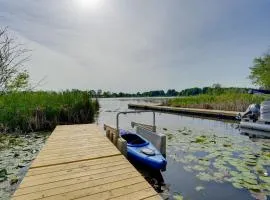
[[89, 4]]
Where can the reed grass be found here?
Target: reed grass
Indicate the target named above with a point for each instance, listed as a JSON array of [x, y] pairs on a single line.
[[42, 111], [231, 101]]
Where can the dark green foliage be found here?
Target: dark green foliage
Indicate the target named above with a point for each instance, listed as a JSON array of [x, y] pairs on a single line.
[[260, 71], [39, 111], [190, 92], [3, 175], [171, 93], [216, 89]]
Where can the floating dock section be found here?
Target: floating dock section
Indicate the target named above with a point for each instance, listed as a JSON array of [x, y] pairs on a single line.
[[188, 111], [79, 162]]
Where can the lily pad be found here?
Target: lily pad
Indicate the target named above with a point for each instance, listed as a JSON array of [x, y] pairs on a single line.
[[199, 168], [199, 188], [3, 175], [14, 179], [265, 179], [204, 176], [178, 197], [200, 139], [237, 185], [188, 168]]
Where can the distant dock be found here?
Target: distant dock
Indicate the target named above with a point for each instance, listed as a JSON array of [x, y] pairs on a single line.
[[79, 162], [220, 114]]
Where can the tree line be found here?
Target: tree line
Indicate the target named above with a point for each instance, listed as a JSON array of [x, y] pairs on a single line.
[[215, 89]]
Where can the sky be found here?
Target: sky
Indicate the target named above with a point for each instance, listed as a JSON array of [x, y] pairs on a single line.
[[139, 45]]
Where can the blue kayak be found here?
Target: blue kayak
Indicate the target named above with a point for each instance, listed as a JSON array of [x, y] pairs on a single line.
[[142, 151]]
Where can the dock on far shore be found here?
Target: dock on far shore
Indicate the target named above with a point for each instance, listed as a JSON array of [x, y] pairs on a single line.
[[220, 114]]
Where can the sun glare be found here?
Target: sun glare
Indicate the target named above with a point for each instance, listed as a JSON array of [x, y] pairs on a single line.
[[89, 4]]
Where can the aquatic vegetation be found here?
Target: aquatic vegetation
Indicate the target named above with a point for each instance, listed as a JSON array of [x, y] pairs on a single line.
[[42, 111], [178, 197], [200, 139], [199, 188], [231, 101], [16, 154], [219, 158], [199, 168], [204, 176], [13, 180], [169, 135], [188, 168], [3, 175]]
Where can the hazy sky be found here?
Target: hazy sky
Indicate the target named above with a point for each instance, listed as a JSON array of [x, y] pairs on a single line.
[[138, 45]]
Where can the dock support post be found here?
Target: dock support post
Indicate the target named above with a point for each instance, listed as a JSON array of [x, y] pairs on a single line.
[[108, 134], [122, 146], [113, 136]]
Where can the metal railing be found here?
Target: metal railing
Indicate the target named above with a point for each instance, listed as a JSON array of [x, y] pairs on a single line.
[[129, 112]]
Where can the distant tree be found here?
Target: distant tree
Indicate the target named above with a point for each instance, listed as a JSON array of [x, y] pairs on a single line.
[[190, 91], [260, 71], [206, 90], [93, 93], [107, 94], [99, 93], [12, 59], [121, 94], [216, 85], [171, 93]]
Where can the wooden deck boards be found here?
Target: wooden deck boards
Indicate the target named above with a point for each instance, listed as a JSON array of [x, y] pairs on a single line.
[[78, 162], [188, 111]]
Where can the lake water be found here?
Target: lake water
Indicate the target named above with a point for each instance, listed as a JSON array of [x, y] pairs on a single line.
[[207, 159]]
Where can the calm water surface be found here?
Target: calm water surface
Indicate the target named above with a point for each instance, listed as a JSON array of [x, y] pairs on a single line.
[[207, 159]]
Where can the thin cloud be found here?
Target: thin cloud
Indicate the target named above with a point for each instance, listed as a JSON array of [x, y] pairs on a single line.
[[140, 45]]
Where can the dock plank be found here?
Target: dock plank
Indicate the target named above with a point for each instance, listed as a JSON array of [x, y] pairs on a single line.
[[79, 162]]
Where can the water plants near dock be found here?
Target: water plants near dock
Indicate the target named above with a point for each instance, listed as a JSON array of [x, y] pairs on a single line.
[[223, 159], [230, 101], [16, 154], [42, 111]]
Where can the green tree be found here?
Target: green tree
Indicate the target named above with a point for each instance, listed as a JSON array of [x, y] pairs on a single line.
[[12, 58], [260, 71]]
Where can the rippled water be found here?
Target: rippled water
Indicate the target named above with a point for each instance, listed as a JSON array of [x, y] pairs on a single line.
[[207, 159]]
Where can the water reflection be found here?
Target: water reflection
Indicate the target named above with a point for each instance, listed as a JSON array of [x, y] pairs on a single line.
[[253, 134]]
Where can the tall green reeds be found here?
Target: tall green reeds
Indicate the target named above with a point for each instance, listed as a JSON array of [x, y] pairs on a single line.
[[42, 111], [230, 101]]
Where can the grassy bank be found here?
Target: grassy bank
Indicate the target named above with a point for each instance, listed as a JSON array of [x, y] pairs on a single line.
[[42, 111], [227, 101]]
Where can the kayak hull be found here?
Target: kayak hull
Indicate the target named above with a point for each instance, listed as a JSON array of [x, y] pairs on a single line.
[[136, 151]]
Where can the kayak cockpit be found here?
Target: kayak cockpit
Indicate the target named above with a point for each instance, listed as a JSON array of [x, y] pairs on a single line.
[[134, 140]]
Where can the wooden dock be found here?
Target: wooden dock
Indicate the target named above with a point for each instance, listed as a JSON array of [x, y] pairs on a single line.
[[220, 114], [79, 162]]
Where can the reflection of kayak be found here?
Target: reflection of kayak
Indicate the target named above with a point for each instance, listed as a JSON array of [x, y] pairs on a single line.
[[142, 151]]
